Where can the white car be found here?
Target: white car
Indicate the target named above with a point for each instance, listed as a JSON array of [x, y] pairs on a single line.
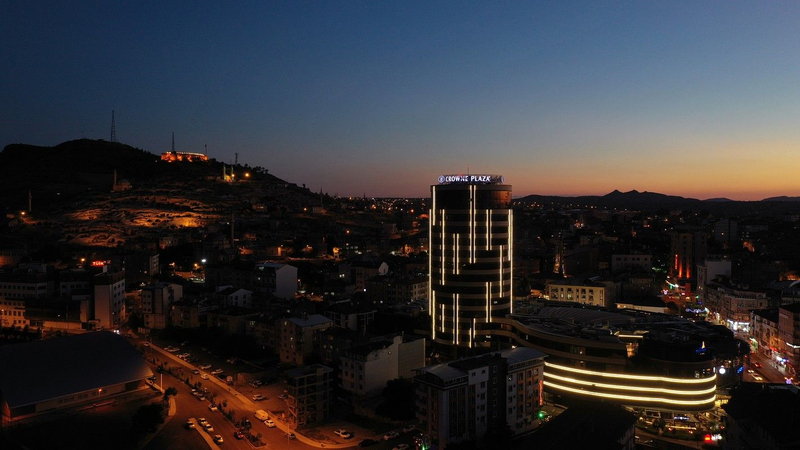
[[212, 407], [204, 366], [217, 371], [218, 439], [342, 433], [258, 398], [391, 435], [204, 376], [758, 378], [208, 427], [269, 423]]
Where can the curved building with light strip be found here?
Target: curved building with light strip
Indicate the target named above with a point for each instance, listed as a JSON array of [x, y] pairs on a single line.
[[470, 256], [646, 362]]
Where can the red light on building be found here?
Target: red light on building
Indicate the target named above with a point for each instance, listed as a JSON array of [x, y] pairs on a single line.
[[707, 438], [98, 263]]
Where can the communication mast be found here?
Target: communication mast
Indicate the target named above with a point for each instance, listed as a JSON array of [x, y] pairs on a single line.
[[113, 128], [173, 142]]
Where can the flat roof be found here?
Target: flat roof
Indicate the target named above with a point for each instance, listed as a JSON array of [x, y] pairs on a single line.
[[37, 371], [310, 321]]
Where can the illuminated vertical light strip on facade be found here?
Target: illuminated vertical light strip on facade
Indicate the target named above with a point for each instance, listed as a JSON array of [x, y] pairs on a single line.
[[431, 304], [502, 287], [433, 206], [455, 330], [471, 333], [487, 229], [432, 312], [511, 258], [442, 317], [444, 223], [471, 222], [488, 301]]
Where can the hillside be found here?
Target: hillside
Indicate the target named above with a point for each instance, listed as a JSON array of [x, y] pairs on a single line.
[[73, 201]]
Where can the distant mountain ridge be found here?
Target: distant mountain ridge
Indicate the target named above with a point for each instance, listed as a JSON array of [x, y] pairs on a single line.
[[782, 198], [653, 201]]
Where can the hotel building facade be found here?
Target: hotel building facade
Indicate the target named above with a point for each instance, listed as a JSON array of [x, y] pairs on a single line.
[[470, 257]]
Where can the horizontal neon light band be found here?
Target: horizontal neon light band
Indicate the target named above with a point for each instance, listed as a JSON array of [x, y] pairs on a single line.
[[634, 398], [633, 377], [632, 388]]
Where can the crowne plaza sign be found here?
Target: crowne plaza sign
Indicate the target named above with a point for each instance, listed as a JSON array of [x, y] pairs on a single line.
[[470, 179]]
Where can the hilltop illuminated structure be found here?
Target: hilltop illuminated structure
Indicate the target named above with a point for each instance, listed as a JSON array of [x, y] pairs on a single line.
[[183, 156], [470, 256]]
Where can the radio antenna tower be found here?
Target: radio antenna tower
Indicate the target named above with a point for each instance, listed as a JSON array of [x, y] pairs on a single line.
[[113, 128], [236, 163], [173, 142]]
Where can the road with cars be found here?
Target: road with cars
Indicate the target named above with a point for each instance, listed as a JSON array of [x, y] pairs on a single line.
[[763, 370], [176, 436]]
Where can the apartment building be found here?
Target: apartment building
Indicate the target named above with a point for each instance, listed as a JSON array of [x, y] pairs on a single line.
[[465, 399]]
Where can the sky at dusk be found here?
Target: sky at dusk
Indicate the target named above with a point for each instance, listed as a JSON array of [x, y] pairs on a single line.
[[698, 99]]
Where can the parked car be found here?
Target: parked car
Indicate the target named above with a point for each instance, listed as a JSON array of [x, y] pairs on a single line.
[[189, 425], [216, 371], [238, 435], [269, 423], [208, 427], [290, 435], [204, 366], [218, 439], [258, 398], [196, 372], [202, 421], [391, 435], [212, 407], [283, 396], [204, 376], [342, 433]]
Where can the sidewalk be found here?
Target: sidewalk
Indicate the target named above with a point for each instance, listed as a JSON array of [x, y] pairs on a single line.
[[212, 378]]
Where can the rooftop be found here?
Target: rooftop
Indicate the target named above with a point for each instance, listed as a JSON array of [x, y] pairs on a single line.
[[310, 321], [42, 370]]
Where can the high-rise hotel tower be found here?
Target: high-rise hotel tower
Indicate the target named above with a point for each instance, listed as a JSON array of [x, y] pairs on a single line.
[[469, 263]]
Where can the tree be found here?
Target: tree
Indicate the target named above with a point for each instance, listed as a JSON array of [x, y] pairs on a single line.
[[170, 391], [147, 419], [398, 400]]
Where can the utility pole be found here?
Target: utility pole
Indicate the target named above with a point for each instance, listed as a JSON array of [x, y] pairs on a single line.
[[236, 161]]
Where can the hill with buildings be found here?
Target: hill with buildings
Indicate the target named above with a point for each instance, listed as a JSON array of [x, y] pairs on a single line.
[[94, 193]]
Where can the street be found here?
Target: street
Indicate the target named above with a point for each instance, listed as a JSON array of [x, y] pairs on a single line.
[[767, 371], [175, 436]]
